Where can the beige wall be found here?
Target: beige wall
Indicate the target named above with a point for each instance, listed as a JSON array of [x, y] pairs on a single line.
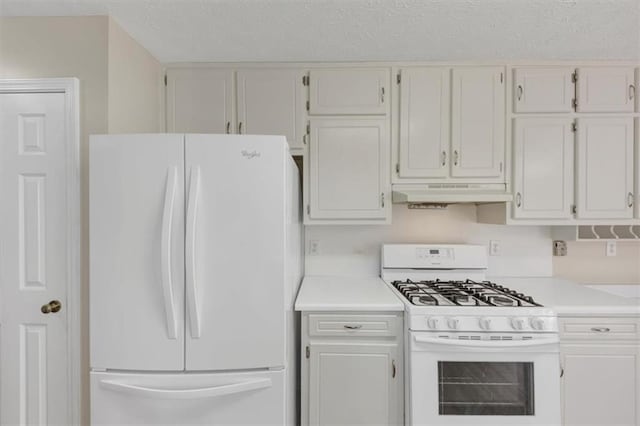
[[119, 92], [134, 85], [586, 262]]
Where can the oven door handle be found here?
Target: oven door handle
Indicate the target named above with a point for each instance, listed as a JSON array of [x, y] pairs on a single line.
[[488, 343]]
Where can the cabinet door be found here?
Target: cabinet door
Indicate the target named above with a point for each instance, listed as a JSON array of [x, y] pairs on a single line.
[[605, 168], [200, 100], [543, 168], [348, 168], [599, 385], [477, 122], [271, 102], [424, 122], [354, 384], [543, 90], [606, 89], [349, 91]]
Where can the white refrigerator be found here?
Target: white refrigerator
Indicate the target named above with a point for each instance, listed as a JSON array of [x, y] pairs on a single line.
[[195, 261]]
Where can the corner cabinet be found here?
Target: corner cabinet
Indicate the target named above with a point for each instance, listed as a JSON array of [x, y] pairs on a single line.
[[600, 361], [352, 370], [348, 169]]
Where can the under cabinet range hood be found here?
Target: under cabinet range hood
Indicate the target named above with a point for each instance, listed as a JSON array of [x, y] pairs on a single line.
[[451, 193]]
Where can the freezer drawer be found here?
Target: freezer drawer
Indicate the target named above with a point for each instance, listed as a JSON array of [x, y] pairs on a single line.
[[248, 398]]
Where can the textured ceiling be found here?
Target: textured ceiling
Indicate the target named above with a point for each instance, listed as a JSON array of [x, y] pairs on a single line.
[[356, 30]]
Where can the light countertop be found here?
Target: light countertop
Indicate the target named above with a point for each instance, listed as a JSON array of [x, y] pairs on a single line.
[[568, 298], [333, 293]]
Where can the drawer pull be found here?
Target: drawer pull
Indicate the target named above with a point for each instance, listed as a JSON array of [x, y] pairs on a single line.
[[601, 329], [353, 327]]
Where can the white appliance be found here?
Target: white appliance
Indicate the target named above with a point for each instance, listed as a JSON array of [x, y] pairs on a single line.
[[477, 353], [195, 264]]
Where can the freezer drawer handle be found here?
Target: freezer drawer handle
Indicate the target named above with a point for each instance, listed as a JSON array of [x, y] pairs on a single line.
[[165, 251], [196, 393], [190, 241]]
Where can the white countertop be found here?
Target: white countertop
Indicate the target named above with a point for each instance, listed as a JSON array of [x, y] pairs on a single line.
[[333, 293], [568, 298]]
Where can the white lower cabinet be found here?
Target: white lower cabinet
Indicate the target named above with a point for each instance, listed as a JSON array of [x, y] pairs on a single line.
[[600, 360], [351, 375]]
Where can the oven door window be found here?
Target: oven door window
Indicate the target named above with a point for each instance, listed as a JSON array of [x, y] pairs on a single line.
[[486, 388]]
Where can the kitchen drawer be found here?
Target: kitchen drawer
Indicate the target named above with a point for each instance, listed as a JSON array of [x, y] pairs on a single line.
[[599, 328], [353, 325]]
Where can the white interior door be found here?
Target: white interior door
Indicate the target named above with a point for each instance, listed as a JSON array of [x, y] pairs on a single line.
[[34, 263], [137, 252], [235, 251]]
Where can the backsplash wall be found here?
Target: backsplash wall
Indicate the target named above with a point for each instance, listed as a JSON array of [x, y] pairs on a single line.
[[355, 250]]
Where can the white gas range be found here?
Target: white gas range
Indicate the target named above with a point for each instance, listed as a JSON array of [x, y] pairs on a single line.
[[477, 353]]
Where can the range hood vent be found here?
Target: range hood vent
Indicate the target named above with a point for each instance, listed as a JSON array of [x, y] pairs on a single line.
[[450, 193]]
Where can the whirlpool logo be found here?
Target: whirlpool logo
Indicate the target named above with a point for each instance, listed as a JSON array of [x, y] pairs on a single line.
[[250, 154]]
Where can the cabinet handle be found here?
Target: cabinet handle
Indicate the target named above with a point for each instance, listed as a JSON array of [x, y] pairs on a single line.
[[630, 199], [382, 95], [455, 158], [601, 329], [561, 372], [518, 199], [240, 128], [393, 368], [228, 127], [444, 158], [632, 92], [520, 91], [353, 327]]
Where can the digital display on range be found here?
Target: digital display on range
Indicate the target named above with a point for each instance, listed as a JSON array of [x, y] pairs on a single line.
[[434, 251]]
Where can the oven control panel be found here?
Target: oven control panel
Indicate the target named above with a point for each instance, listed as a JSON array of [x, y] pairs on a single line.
[[434, 253], [484, 323]]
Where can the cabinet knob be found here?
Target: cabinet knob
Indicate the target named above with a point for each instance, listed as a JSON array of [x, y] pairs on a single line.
[[240, 128], [228, 127], [600, 329], [353, 327], [518, 199], [393, 368], [382, 95], [520, 91], [630, 199], [632, 92]]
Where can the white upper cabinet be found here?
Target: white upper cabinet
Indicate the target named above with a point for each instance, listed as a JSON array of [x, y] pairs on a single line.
[[543, 168], [271, 102], [605, 168], [200, 100], [357, 91], [606, 89], [348, 169], [543, 90], [478, 122], [424, 123]]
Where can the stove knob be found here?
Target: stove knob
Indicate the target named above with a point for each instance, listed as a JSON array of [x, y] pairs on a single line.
[[517, 323], [453, 323], [538, 323], [485, 323], [432, 323]]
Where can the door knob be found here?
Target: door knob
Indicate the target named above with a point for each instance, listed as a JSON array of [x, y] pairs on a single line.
[[53, 306]]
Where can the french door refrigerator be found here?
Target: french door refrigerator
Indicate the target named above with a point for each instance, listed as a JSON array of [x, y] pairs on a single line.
[[195, 261]]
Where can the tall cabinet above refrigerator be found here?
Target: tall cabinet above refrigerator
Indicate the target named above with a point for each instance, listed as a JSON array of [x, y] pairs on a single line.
[[195, 261]]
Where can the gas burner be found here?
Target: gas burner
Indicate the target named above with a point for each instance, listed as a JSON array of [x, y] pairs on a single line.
[[461, 293]]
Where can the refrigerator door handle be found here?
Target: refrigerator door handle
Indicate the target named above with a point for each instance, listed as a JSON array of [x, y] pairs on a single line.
[[192, 215], [165, 250], [194, 393]]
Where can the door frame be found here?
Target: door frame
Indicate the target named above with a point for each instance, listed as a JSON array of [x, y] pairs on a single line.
[[71, 89]]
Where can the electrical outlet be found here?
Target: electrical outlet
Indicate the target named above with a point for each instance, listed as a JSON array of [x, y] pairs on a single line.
[[611, 248], [495, 248], [314, 246], [559, 248]]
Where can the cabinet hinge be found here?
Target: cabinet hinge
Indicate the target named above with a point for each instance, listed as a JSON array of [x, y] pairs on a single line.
[[574, 126], [574, 77], [575, 104], [307, 352], [501, 167], [397, 167], [305, 80], [165, 79], [382, 199], [573, 209], [501, 77], [308, 128], [308, 209], [307, 105], [398, 78]]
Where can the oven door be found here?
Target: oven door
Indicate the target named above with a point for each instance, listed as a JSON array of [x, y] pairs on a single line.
[[483, 380]]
